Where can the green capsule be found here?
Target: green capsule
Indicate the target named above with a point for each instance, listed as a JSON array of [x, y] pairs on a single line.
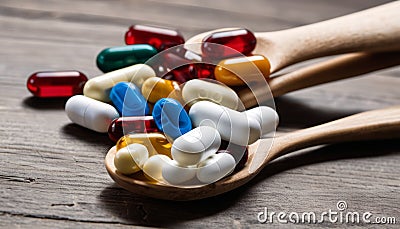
[[114, 58]]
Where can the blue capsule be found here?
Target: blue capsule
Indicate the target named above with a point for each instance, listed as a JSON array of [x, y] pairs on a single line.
[[165, 115], [128, 100]]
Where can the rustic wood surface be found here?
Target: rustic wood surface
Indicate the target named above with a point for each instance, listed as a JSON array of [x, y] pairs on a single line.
[[52, 172]]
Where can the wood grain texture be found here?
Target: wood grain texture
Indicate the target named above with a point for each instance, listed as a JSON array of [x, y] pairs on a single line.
[[52, 172]]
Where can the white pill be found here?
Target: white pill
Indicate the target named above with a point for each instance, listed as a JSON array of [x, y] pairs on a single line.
[[196, 145], [266, 116], [90, 113], [131, 158], [197, 90], [215, 167], [99, 87], [232, 125], [153, 166], [175, 174]]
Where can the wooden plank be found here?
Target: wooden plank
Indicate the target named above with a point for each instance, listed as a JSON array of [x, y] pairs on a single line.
[[52, 172]]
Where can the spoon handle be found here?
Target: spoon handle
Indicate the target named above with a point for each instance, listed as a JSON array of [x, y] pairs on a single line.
[[341, 67], [375, 29], [370, 125]]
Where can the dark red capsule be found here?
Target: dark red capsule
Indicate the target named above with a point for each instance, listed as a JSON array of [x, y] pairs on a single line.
[[240, 153], [125, 125], [56, 83], [160, 38], [240, 40], [204, 71]]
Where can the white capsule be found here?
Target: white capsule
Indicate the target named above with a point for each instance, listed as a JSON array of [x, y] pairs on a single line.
[[232, 125], [176, 174], [196, 145], [153, 166], [266, 116], [99, 87], [197, 90], [131, 158], [215, 167], [90, 113]]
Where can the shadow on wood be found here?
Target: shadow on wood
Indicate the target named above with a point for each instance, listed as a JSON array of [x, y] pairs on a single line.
[[45, 103], [295, 113], [85, 135]]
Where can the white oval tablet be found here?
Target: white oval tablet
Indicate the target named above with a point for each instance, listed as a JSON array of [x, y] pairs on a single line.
[[215, 167], [232, 125], [195, 145], [267, 117], [99, 87], [153, 166], [131, 158], [90, 113], [175, 174], [197, 90]]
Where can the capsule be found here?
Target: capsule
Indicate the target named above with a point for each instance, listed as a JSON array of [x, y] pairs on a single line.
[[171, 118], [155, 88], [239, 153], [90, 113], [204, 71], [238, 40], [198, 90], [180, 68], [196, 145], [130, 159], [99, 87], [160, 38], [156, 143], [250, 68], [56, 83], [128, 100], [136, 124], [215, 167], [114, 58]]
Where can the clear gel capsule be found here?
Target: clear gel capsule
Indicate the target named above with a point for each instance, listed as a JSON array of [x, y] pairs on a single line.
[[250, 68], [90, 113], [128, 100], [99, 87], [56, 83], [156, 143], [160, 38], [171, 118], [155, 88], [136, 124], [240, 40], [114, 58]]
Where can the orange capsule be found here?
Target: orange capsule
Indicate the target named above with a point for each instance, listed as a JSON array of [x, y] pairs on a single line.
[[249, 68], [155, 88]]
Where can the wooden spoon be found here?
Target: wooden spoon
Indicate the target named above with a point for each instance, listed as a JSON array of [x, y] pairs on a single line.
[[371, 30], [378, 124], [342, 67]]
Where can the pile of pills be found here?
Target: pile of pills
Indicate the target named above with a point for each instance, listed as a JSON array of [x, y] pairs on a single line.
[[171, 112]]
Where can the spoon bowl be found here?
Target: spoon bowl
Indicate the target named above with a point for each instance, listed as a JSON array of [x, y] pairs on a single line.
[[371, 125]]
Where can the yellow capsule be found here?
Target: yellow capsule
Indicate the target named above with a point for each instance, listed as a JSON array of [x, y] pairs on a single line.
[[155, 88], [155, 143], [248, 68]]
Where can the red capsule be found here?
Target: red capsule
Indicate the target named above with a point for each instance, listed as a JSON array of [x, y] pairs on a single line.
[[240, 153], [204, 71], [160, 38], [241, 40], [56, 83], [125, 125]]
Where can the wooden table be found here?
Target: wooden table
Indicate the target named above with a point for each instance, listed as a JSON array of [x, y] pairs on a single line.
[[52, 172]]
